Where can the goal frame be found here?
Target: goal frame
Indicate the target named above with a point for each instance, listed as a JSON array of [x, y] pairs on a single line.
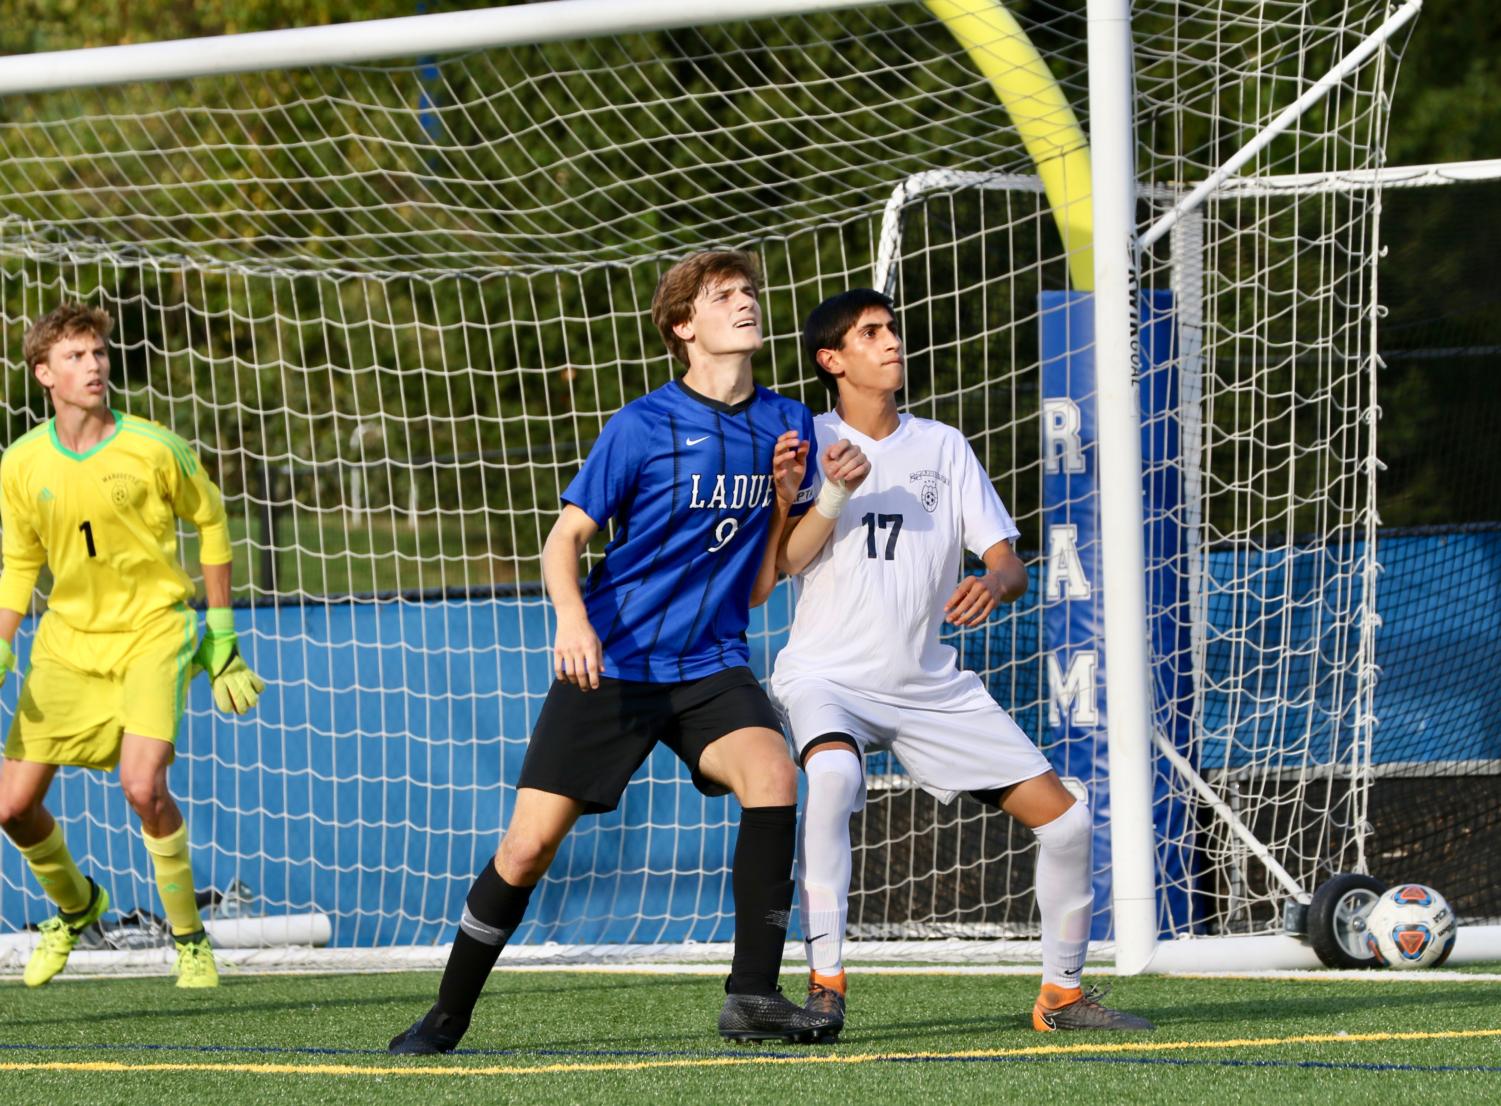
[[1114, 273]]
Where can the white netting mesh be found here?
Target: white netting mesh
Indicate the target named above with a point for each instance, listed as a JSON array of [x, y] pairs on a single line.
[[1270, 693], [393, 304]]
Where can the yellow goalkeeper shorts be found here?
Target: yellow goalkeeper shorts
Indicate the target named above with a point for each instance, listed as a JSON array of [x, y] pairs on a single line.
[[84, 690]]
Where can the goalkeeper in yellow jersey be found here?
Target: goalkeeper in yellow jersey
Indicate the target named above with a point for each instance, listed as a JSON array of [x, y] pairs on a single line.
[[95, 494]]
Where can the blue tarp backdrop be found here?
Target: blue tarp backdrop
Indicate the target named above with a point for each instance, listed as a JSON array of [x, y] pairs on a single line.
[[373, 779]]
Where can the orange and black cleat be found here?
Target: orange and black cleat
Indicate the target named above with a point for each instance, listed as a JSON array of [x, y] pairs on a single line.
[[826, 994], [1070, 1008]]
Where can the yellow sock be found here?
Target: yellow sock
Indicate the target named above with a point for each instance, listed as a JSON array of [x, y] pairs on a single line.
[[174, 879], [52, 864]]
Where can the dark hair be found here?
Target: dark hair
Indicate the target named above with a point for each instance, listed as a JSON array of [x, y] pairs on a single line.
[[69, 320], [831, 320], [672, 303]]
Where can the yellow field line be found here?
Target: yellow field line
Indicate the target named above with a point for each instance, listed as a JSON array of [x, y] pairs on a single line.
[[742, 1061]]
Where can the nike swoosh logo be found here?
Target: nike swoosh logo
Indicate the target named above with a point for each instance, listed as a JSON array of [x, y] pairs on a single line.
[[695, 441], [810, 940]]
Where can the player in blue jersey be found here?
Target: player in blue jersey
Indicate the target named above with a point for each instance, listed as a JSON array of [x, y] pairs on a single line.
[[700, 476]]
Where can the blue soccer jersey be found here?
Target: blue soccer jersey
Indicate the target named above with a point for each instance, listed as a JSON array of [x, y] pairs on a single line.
[[688, 481]]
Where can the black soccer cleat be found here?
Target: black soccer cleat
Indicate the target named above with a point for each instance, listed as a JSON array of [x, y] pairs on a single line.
[[436, 1033], [773, 1017]]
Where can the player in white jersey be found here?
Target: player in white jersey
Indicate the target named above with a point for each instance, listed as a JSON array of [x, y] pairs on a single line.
[[864, 668]]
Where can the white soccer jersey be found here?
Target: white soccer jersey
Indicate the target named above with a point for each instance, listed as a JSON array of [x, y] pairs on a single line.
[[870, 605]]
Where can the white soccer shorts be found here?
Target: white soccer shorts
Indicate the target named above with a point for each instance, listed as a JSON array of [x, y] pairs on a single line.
[[964, 743]]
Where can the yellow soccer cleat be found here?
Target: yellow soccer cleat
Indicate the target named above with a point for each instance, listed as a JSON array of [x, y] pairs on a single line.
[[59, 936], [195, 962]]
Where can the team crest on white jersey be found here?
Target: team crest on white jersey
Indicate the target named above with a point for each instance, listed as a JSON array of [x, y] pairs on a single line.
[[927, 481]]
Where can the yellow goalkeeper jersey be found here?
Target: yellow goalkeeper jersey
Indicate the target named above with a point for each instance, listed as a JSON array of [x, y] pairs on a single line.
[[104, 521]]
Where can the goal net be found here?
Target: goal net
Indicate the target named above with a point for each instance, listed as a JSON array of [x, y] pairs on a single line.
[[393, 302], [1416, 795]]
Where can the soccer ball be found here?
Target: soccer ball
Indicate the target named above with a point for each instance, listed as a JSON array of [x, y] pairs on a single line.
[[1411, 926]]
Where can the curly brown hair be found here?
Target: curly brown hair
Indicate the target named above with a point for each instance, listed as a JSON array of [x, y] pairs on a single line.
[[672, 303], [68, 320]]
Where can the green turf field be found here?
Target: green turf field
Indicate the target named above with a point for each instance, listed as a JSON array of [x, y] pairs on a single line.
[[595, 1037]]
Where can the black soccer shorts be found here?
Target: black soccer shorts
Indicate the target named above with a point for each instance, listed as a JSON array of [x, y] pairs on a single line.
[[587, 745]]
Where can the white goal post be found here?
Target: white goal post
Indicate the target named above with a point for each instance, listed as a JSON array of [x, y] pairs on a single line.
[[392, 302]]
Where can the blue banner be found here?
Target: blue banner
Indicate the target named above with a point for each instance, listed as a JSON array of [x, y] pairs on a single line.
[[1073, 609]]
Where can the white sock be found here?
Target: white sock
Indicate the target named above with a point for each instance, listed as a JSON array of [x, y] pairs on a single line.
[[823, 867], [1065, 893]]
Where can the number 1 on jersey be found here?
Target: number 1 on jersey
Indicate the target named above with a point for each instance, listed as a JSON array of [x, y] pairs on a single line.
[[893, 521], [88, 536]]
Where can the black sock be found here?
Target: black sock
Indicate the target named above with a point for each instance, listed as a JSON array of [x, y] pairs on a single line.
[[492, 912], [763, 896], [93, 898]]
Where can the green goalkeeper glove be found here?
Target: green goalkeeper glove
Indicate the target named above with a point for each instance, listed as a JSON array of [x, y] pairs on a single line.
[[7, 660], [236, 688]]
